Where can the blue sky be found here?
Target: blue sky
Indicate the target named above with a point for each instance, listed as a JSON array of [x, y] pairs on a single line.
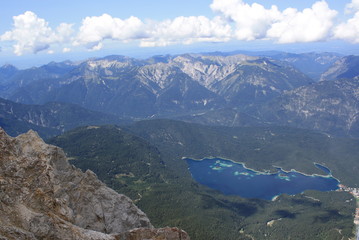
[[38, 31]]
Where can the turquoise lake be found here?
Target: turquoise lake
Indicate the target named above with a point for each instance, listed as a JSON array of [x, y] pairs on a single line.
[[232, 178]]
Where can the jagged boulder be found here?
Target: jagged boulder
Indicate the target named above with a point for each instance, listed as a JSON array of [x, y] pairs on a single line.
[[42, 196]]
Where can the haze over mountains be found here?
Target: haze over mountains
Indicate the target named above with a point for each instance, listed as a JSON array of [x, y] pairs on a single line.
[[130, 87], [49, 119], [128, 97], [263, 109], [313, 90]]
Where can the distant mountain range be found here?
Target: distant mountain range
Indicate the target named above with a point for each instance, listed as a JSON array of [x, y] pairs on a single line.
[[157, 86], [49, 119], [330, 106], [312, 64], [346, 67], [274, 95], [230, 89]]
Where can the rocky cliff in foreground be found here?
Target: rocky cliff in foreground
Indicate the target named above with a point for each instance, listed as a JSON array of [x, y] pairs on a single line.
[[42, 196]]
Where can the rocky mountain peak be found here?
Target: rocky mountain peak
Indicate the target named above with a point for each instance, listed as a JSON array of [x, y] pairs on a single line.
[[207, 69], [346, 67], [44, 197], [8, 67], [163, 86], [329, 106], [7, 70], [159, 73], [105, 63]]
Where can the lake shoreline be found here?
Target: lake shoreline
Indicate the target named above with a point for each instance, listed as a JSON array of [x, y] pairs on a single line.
[[269, 172], [235, 178]]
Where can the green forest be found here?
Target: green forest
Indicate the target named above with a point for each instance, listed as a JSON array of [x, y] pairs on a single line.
[[144, 161]]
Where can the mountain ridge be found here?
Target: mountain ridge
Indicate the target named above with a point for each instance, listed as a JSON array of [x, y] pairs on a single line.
[[228, 89], [135, 88], [329, 106], [49, 119], [344, 68]]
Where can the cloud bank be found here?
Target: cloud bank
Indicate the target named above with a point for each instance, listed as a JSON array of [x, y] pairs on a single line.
[[33, 34], [349, 30], [186, 30], [234, 20], [310, 25], [95, 30]]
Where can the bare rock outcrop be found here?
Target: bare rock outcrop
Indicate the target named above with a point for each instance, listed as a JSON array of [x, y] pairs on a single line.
[[155, 234], [42, 196]]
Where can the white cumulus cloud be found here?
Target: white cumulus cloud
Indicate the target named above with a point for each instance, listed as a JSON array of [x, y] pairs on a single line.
[[349, 30], [33, 34], [98, 28], [66, 50], [288, 26], [234, 20], [310, 25], [251, 21], [353, 6], [186, 30]]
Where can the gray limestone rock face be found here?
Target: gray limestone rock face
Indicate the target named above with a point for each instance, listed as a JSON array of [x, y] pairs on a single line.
[[42, 196], [166, 233]]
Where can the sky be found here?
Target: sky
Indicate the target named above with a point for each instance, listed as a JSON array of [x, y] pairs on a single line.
[[34, 32]]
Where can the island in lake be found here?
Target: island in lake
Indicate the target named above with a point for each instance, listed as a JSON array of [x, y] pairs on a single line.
[[232, 178]]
